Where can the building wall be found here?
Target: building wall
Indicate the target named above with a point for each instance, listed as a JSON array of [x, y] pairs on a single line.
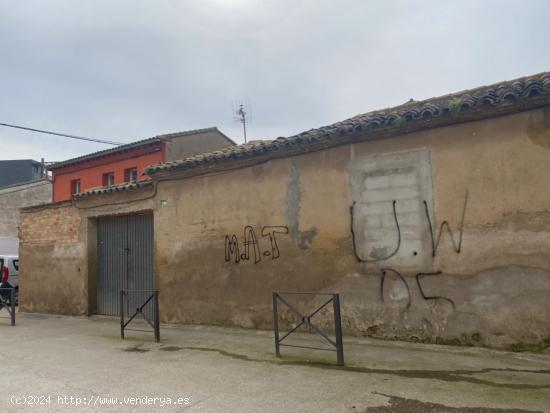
[[20, 170], [91, 173], [190, 145], [327, 221], [58, 253], [52, 261], [18, 196]]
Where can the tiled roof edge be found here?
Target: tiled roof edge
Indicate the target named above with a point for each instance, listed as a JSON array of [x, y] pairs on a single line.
[[132, 145], [493, 100], [115, 188]]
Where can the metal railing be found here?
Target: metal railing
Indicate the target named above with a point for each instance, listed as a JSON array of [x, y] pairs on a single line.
[[8, 303], [305, 319], [155, 324]]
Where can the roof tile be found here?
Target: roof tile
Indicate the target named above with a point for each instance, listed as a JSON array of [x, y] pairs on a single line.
[[451, 105]]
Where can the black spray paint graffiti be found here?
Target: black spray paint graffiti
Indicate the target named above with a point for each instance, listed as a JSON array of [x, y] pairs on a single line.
[[251, 245], [432, 297], [395, 251], [445, 225], [383, 279], [435, 240], [419, 276]]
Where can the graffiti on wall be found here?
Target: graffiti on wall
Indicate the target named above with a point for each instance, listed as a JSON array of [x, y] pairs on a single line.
[[457, 245], [250, 248], [387, 272], [386, 257], [434, 237]]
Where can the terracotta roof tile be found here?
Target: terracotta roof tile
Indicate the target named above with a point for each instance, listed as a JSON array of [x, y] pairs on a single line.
[[132, 145], [128, 186], [519, 94]]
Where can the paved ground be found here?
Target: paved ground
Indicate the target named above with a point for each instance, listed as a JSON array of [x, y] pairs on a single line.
[[234, 370]]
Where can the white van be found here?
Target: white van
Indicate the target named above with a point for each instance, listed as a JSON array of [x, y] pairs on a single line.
[[9, 270]]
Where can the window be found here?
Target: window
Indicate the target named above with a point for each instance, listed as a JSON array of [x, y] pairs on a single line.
[[16, 265], [109, 179], [75, 186], [130, 175]]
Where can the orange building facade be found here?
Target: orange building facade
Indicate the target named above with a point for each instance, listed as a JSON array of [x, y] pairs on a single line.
[[106, 170], [125, 163]]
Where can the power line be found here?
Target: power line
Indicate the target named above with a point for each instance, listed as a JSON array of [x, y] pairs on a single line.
[[62, 134]]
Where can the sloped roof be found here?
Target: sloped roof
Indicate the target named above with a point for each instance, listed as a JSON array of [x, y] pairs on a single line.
[[479, 103], [125, 187], [133, 145]]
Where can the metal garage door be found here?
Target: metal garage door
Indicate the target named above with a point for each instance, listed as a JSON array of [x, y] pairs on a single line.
[[125, 261]]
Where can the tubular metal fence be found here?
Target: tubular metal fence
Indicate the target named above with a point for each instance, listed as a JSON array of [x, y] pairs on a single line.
[[305, 319], [148, 297]]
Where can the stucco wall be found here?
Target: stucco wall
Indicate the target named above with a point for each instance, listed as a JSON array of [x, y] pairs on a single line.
[[292, 221], [18, 196], [491, 174]]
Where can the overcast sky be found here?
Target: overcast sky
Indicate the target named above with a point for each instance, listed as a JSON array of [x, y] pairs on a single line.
[[127, 70]]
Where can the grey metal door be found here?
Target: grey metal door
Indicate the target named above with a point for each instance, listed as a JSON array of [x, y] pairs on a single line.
[[125, 261]]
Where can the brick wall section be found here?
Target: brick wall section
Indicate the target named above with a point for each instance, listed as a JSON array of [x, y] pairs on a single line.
[[52, 225]]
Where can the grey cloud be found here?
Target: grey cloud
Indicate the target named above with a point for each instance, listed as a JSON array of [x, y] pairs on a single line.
[[130, 69]]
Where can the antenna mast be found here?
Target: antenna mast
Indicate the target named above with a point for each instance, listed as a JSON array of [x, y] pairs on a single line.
[[241, 115]]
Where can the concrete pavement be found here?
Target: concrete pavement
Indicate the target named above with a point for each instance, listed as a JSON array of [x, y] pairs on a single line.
[[212, 369]]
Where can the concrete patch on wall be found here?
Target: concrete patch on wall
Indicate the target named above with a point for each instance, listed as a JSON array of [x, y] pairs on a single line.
[[389, 222], [66, 250], [303, 239]]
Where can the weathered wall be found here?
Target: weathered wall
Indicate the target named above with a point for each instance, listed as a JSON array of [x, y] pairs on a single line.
[[295, 214], [356, 219], [52, 261], [58, 252], [18, 196]]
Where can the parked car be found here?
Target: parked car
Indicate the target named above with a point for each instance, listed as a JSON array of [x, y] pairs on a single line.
[[9, 272]]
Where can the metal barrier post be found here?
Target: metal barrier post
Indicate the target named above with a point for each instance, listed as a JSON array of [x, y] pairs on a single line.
[[12, 303], [338, 329], [121, 307], [153, 300], [10, 307], [157, 323], [306, 320], [276, 324]]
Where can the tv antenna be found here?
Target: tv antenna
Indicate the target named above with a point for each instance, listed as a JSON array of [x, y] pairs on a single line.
[[240, 115]]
